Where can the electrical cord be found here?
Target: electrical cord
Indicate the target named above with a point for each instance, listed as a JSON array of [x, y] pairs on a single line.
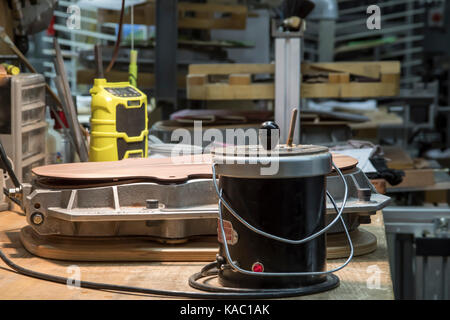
[[119, 37], [215, 293]]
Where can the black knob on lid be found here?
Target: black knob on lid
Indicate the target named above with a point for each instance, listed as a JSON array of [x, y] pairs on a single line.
[[269, 135]]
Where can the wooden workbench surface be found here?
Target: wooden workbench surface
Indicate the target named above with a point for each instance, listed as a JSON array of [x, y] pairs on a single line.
[[358, 279]]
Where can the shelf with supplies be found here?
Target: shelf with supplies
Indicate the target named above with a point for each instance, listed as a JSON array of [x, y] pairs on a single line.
[[24, 140]]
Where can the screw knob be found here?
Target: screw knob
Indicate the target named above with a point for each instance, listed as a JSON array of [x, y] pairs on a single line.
[[269, 135]]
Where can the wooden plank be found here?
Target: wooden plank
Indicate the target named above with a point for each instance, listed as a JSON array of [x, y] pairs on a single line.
[[338, 77], [363, 242], [397, 158], [145, 79], [333, 77], [224, 91], [196, 79], [142, 249], [389, 67], [370, 89], [212, 69], [349, 90], [223, 1], [117, 248], [344, 162], [240, 79], [220, 91], [357, 69], [390, 77], [415, 178], [175, 169], [437, 196]]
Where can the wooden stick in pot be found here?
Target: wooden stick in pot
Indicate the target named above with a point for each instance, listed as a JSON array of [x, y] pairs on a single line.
[[290, 137]]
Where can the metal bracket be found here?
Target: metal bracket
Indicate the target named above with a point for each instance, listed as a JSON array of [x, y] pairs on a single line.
[[441, 227]]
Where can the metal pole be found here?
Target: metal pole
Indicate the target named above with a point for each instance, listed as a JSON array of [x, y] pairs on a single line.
[[288, 57], [326, 40], [166, 56]]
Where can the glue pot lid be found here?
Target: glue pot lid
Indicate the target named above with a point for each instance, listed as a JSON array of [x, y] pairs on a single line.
[[253, 161]]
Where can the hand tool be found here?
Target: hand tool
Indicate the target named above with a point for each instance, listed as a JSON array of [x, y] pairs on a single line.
[[68, 106], [11, 69]]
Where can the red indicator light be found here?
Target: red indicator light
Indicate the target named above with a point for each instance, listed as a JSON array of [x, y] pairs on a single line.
[[257, 267], [436, 17]]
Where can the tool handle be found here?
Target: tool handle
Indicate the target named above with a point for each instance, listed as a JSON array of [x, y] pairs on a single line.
[[290, 137]]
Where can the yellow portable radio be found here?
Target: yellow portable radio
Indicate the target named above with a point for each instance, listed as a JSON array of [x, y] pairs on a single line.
[[119, 121]]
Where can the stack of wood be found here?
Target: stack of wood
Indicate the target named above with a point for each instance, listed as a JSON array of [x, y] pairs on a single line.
[[417, 175], [320, 80], [351, 79], [229, 82]]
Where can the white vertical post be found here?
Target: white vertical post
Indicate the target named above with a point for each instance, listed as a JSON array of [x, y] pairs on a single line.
[[326, 40], [287, 84]]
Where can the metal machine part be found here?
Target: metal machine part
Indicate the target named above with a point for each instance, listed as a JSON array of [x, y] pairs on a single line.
[[418, 240], [315, 160], [166, 56], [324, 10], [326, 13], [288, 58], [184, 210]]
